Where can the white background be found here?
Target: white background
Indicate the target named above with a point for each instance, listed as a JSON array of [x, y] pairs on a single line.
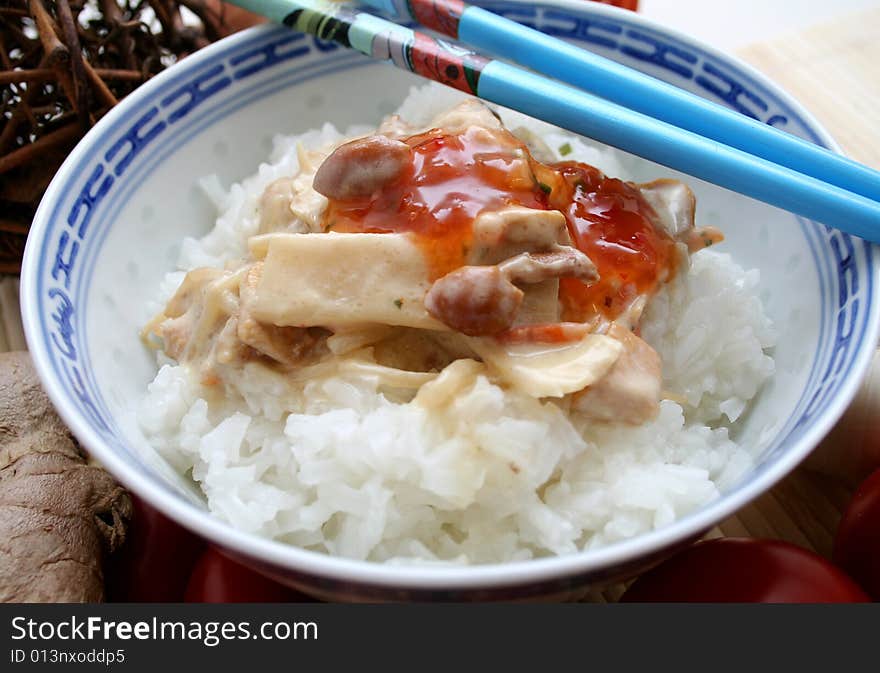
[[731, 24]]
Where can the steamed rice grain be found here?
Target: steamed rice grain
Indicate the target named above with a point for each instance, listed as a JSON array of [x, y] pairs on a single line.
[[338, 465]]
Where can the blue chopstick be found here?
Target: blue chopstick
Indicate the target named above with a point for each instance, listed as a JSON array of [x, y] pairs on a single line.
[[685, 151], [496, 35], [580, 112]]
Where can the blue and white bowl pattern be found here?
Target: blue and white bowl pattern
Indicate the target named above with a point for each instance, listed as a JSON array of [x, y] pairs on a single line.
[[97, 187]]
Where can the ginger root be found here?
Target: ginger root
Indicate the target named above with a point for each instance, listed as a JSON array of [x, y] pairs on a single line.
[[59, 516]]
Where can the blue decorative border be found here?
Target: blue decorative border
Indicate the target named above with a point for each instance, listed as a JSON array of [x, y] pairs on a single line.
[[177, 101], [844, 264], [170, 143]]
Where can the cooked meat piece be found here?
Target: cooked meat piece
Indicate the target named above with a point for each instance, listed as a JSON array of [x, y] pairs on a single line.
[[470, 112], [474, 300], [198, 323], [419, 350], [562, 261], [466, 114], [275, 212], [206, 323], [186, 313], [228, 348], [176, 333], [191, 290], [359, 168], [630, 391], [538, 147], [675, 206], [286, 345]]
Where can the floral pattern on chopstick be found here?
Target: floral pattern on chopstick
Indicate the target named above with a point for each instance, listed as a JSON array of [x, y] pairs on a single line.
[[434, 59], [440, 15]]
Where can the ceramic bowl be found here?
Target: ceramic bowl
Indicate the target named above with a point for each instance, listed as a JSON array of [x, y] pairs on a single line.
[[112, 222]]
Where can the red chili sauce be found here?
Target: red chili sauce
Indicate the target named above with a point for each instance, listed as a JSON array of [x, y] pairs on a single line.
[[455, 177]]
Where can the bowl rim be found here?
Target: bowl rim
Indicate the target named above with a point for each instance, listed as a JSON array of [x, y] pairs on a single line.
[[422, 576]]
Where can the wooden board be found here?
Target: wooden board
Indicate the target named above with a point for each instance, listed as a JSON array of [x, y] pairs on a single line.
[[834, 70]]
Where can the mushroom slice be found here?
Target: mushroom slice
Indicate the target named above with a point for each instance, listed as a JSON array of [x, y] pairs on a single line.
[[474, 300], [454, 379], [562, 261], [550, 370], [385, 376], [483, 300], [501, 234], [360, 168]]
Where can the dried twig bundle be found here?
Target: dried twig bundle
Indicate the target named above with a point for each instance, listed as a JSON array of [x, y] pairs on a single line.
[[63, 65]]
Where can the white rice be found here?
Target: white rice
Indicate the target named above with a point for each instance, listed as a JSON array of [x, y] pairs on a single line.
[[333, 465]]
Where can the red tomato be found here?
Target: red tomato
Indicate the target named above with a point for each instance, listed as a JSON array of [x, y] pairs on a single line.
[[857, 544], [155, 562], [217, 579], [732, 570]]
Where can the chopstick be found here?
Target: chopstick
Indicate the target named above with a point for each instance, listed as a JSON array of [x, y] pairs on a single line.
[[580, 112], [635, 90]]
